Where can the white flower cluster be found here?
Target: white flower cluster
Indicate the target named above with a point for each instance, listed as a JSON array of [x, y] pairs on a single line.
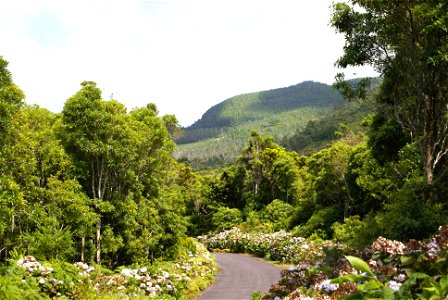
[[84, 268], [326, 286], [31, 265], [281, 246], [45, 277], [142, 280], [168, 279], [152, 285]]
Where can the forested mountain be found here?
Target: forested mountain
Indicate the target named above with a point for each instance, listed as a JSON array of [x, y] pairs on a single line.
[[253, 107], [216, 139]]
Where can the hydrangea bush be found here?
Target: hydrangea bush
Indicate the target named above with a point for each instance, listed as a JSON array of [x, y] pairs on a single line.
[[387, 269], [278, 246], [168, 280]]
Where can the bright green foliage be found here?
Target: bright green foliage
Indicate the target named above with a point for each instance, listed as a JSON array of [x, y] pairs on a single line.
[[127, 170], [12, 285], [226, 218], [271, 172], [111, 187], [72, 208], [368, 286], [198, 202], [329, 167], [12, 209], [50, 240], [11, 98], [278, 213], [172, 125], [36, 167], [350, 232]]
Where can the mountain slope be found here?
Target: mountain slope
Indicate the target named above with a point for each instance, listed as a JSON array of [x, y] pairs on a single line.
[[267, 108], [222, 132]]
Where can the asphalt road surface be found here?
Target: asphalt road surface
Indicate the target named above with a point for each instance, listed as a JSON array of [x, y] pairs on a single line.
[[240, 276]]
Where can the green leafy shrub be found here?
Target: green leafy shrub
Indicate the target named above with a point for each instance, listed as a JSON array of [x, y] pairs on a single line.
[[27, 278], [321, 221], [409, 215], [226, 217], [254, 223], [350, 232], [12, 285], [278, 213], [50, 241]]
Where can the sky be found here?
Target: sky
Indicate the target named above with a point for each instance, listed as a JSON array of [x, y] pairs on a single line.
[[183, 55]]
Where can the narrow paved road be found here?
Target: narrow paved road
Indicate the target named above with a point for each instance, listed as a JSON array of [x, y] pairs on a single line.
[[240, 276]]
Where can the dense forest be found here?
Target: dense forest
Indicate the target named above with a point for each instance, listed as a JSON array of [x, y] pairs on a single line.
[[99, 184], [94, 183], [88, 183]]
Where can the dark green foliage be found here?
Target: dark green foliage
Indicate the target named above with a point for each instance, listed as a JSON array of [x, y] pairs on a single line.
[[320, 222], [228, 189], [386, 138], [406, 42], [303, 211], [408, 215]]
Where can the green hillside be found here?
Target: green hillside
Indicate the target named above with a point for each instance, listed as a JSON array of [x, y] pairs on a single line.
[[224, 129], [267, 107], [342, 121]]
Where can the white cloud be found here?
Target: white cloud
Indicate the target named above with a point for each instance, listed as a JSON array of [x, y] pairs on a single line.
[[185, 56]]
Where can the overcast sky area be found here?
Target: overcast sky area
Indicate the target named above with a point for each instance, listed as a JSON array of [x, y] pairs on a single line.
[[183, 55]]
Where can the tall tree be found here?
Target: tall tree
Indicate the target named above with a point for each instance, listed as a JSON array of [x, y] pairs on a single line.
[[251, 159], [96, 134], [406, 41], [11, 97]]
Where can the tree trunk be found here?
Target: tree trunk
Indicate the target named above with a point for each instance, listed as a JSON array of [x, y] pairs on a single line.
[[429, 172], [83, 245], [98, 242]]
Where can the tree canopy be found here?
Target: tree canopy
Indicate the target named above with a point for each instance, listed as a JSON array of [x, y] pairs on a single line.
[[406, 41]]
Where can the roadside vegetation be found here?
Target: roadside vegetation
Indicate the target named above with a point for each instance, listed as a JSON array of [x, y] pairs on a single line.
[[319, 269]]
